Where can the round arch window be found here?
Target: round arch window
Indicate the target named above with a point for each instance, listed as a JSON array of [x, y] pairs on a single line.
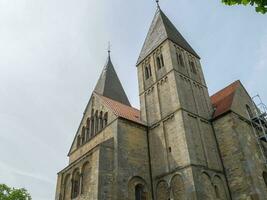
[[140, 193]]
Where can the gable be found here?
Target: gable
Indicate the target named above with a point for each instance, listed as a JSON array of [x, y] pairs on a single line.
[[222, 100], [101, 107], [95, 106], [240, 102], [232, 98]]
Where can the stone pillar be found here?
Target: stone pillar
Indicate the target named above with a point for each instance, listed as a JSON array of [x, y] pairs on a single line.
[[71, 188]]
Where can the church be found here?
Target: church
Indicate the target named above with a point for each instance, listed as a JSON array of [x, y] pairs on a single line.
[[183, 144]]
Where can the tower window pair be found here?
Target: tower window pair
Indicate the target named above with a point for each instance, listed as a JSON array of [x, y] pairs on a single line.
[[148, 72], [160, 61]]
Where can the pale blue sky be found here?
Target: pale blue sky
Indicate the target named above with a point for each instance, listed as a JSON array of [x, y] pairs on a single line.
[[53, 51]]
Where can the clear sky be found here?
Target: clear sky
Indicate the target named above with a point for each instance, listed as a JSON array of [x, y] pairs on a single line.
[[52, 52]]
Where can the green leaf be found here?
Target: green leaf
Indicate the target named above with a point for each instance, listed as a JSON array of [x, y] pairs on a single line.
[[7, 193], [260, 5]]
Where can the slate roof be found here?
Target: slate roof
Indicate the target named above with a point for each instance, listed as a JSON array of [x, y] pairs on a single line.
[[160, 30], [122, 110], [109, 85], [222, 100]]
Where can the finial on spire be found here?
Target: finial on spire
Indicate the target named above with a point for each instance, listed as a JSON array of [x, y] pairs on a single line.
[[109, 48], [157, 1]]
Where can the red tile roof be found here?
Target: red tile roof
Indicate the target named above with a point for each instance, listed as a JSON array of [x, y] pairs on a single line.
[[122, 110], [222, 100]]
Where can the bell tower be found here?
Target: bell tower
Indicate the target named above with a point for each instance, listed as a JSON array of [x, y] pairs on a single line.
[[176, 106]]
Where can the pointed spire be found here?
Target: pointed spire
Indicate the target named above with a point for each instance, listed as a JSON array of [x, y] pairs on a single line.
[[109, 85], [160, 30]]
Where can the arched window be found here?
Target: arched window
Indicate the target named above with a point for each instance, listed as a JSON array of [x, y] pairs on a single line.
[[140, 193], [149, 70], [193, 67], [96, 122], [85, 186], [106, 119], [163, 192], [67, 188], [76, 184], [92, 127], [146, 73], [265, 178], [208, 189], [88, 126], [178, 188], [219, 188], [83, 136], [101, 120], [92, 123], [137, 189], [160, 61], [250, 114], [78, 141]]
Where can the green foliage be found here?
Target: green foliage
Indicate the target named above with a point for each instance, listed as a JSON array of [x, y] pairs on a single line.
[[7, 193], [261, 5]]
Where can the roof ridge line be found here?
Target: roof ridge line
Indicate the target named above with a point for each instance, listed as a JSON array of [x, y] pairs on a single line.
[[115, 113]]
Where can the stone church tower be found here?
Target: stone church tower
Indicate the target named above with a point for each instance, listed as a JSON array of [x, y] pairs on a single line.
[[181, 145], [177, 108]]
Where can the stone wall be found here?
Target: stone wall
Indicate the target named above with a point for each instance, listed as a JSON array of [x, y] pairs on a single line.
[[131, 160], [106, 134], [177, 107], [87, 169], [241, 157], [95, 109]]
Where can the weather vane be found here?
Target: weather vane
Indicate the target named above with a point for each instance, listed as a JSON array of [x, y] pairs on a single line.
[[109, 48], [157, 1]]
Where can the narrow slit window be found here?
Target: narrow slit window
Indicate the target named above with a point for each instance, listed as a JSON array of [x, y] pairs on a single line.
[[101, 120], [83, 135], [88, 126], [160, 61], [92, 127], [146, 73], [149, 71], [96, 122]]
